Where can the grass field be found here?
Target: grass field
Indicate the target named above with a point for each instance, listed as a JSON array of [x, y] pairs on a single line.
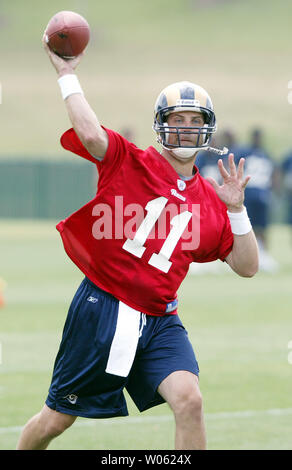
[[240, 51], [240, 329]]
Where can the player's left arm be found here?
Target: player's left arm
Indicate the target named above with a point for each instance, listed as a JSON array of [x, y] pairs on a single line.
[[243, 258]]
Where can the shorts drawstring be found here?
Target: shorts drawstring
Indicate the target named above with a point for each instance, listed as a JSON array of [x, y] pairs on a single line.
[[143, 323]]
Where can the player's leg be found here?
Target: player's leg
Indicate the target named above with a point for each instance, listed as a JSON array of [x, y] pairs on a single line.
[[80, 386], [166, 369], [42, 428], [181, 391]]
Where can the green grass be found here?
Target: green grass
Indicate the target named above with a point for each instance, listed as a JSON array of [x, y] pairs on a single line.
[[240, 329], [238, 50]]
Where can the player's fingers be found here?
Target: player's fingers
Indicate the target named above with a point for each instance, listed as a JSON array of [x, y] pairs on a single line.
[[54, 58], [74, 62], [45, 38], [45, 44], [240, 168], [232, 166], [224, 173], [45, 41], [79, 56], [246, 181]]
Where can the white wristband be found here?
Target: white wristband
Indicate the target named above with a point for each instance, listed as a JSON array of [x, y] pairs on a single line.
[[240, 223], [69, 85]]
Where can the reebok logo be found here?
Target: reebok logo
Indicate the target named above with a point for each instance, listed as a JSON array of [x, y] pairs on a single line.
[[92, 299], [176, 194]]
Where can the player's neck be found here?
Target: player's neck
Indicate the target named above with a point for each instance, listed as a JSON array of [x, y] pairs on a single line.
[[182, 167]]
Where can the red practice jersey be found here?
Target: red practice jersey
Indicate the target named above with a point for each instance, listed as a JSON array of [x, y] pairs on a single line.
[[144, 227]]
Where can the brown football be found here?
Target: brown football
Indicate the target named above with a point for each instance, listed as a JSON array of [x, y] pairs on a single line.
[[67, 34]]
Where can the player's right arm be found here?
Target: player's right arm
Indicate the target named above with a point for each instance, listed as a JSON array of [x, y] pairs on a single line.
[[86, 125], [83, 119]]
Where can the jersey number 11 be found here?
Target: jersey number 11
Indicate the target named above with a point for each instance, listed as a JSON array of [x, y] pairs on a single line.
[[179, 222]]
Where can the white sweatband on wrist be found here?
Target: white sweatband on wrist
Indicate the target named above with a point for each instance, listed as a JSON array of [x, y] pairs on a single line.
[[240, 223], [69, 85]]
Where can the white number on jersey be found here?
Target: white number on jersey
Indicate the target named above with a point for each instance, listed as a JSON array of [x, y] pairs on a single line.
[[179, 222]]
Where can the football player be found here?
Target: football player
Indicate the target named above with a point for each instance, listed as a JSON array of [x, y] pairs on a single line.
[[153, 215]]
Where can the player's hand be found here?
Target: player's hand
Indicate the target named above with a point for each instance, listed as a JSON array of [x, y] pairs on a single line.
[[231, 192], [61, 65]]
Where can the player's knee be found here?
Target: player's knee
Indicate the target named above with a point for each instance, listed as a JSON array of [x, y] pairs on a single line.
[[54, 429], [54, 424], [189, 404]]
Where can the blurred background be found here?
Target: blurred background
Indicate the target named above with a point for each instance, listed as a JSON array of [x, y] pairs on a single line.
[[240, 52]]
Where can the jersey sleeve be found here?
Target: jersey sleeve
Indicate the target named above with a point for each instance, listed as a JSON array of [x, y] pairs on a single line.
[[118, 147]]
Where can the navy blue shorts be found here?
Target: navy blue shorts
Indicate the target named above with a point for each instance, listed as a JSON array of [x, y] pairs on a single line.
[[98, 344]]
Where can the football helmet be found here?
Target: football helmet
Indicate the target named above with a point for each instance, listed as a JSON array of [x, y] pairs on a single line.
[[184, 96]]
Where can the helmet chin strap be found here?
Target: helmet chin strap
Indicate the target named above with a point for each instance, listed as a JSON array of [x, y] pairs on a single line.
[[224, 151], [183, 152]]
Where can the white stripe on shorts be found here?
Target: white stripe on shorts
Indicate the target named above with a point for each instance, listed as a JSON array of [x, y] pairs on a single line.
[[125, 341]]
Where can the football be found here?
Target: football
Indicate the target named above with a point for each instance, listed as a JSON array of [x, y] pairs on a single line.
[[67, 34]]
